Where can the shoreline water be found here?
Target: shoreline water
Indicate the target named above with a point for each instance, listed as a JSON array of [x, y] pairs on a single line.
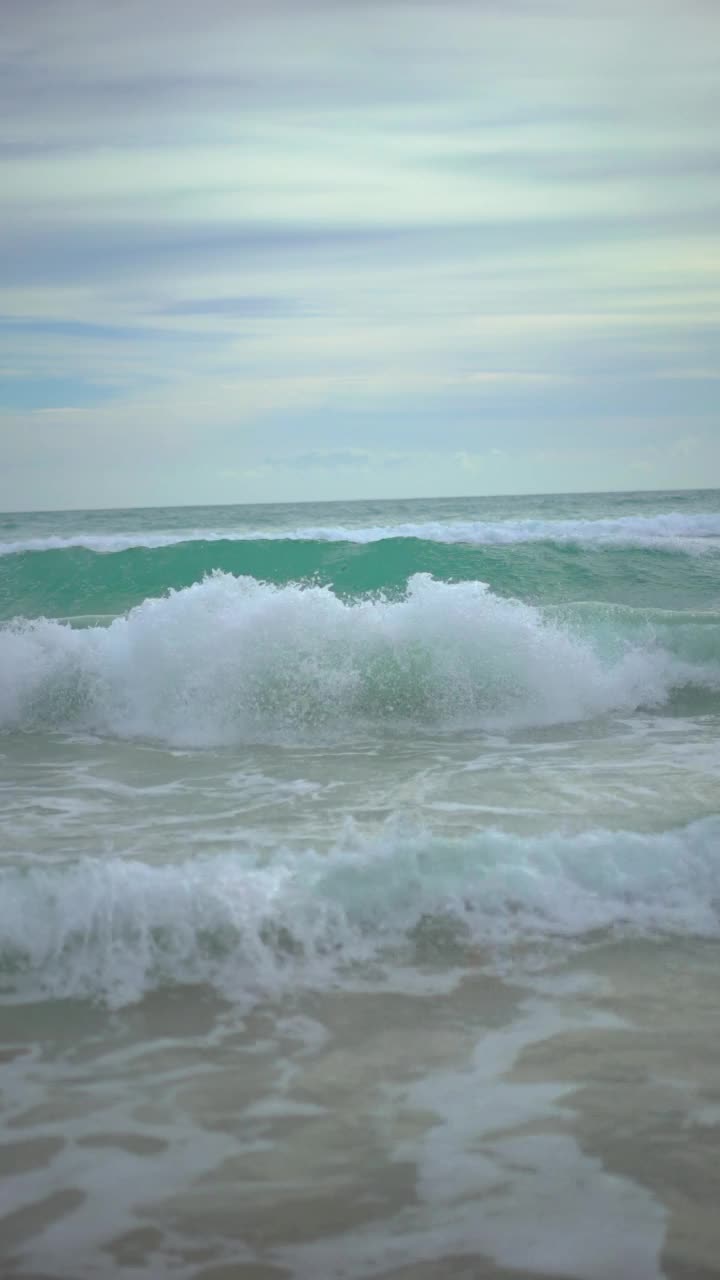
[[555, 1126], [359, 899]]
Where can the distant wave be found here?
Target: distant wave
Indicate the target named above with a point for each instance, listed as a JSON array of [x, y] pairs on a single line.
[[115, 928], [674, 530], [231, 659]]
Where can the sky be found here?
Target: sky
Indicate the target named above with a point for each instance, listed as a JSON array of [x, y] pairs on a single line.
[[315, 249]]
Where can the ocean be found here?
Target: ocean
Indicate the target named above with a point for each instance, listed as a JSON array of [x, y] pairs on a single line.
[[360, 890]]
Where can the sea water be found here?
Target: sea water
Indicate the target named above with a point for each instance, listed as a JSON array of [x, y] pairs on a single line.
[[360, 890]]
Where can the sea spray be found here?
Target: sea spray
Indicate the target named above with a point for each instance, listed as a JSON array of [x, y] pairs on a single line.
[[232, 659]]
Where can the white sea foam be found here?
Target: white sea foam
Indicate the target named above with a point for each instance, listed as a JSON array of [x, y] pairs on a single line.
[[232, 659], [694, 532], [116, 928]]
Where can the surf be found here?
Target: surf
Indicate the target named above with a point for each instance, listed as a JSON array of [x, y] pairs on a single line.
[[691, 531], [233, 659], [113, 929]]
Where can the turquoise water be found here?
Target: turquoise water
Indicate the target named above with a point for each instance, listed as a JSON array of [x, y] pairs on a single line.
[[657, 549], [326, 828]]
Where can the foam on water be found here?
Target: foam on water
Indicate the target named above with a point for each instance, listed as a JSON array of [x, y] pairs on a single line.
[[681, 531], [232, 659], [116, 928]]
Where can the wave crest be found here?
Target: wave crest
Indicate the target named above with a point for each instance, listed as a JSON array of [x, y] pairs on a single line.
[[233, 659], [673, 530]]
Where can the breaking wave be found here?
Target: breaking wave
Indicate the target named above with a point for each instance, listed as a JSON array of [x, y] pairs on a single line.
[[231, 659], [692, 532], [114, 929]]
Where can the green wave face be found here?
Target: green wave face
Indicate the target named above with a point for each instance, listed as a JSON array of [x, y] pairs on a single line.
[[76, 582]]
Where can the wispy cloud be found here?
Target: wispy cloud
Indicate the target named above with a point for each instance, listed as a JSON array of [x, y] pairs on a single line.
[[340, 244]]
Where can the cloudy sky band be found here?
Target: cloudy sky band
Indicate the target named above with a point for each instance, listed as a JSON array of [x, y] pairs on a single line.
[[268, 252]]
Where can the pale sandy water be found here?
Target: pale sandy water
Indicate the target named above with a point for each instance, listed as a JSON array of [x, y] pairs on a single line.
[[564, 1126]]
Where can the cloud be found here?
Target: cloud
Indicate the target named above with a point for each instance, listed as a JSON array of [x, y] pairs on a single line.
[[38, 326], [338, 459], [247, 307], [602, 164], [342, 244], [18, 392]]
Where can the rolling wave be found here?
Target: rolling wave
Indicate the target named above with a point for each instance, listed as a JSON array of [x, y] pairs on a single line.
[[231, 659], [690, 532], [113, 929], [76, 582]]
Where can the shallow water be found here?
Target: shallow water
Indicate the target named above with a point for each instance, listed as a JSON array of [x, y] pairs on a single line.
[[563, 1124], [349, 934]]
